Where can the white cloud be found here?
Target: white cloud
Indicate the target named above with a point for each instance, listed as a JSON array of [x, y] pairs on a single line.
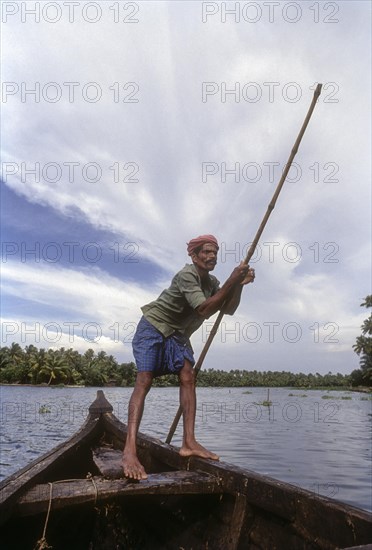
[[90, 294]]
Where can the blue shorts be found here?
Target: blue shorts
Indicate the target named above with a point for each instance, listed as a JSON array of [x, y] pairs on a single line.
[[157, 354]]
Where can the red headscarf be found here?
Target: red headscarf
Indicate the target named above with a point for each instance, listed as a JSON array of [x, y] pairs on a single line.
[[199, 241]]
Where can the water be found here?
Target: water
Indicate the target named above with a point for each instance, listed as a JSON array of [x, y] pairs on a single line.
[[317, 440]]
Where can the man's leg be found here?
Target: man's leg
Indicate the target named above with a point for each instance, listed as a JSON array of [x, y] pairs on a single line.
[[131, 465], [190, 447]]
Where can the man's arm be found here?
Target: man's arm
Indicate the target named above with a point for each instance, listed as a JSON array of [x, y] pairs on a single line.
[[230, 293], [233, 300]]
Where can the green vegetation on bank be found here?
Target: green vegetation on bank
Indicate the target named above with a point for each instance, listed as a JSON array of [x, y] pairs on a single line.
[[363, 348], [67, 366], [62, 366]]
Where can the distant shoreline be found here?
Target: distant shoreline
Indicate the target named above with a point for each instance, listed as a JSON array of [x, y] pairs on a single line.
[[359, 389], [60, 386]]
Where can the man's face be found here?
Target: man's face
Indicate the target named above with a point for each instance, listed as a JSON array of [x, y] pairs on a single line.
[[206, 259]]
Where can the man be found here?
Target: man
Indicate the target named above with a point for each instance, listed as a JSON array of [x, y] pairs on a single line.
[[161, 344]]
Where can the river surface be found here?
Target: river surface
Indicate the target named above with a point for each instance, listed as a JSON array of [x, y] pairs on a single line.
[[315, 439]]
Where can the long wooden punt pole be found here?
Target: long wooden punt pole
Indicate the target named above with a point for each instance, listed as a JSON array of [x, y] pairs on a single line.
[[252, 248]]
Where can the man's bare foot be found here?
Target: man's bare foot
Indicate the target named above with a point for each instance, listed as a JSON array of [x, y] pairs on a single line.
[[195, 449], [132, 467]]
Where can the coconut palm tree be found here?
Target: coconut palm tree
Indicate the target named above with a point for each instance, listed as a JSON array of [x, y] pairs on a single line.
[[55, 367], [36, 363]]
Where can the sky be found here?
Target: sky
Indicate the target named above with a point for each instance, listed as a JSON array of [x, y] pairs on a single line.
[[129, 128]]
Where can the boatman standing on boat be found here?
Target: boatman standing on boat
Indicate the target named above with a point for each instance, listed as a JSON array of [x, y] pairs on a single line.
[[161, 343]]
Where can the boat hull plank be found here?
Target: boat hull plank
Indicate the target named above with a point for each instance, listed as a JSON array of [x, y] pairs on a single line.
[[76, 492], [108, 462]]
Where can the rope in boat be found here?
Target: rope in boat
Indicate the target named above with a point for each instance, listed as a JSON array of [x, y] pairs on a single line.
[[42, 543], [89, 476]]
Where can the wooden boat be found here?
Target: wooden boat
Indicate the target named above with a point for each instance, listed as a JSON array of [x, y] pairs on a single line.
[[74, 497]]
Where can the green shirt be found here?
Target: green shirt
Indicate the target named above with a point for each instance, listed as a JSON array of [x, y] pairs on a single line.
[[175, 308]]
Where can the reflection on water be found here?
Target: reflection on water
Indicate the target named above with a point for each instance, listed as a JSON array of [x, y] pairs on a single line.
[[318, 440]]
